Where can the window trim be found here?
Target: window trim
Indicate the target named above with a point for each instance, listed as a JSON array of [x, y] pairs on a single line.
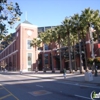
[[27, 60], [27, 45]]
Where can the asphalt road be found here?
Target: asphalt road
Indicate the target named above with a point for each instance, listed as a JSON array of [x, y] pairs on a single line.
[[26, 87]]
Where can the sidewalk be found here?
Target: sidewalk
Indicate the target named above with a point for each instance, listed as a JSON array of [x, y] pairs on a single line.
[[75, 77], [78, 78]]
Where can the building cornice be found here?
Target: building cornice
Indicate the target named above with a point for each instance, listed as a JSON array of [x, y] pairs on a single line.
[[23, 24]]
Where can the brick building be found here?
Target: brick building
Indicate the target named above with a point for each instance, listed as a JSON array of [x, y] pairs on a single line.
[[20, 56]]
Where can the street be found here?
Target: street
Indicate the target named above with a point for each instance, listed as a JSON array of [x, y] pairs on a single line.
[[31, 87]]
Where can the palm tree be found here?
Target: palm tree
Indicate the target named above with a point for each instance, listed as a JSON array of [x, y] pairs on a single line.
[[60, 36], [90, 16], [49, 37], [96, 21], [35, 43], [84, 20], [45, 40], [67, 23], [52, 37], [76, 20], [74, 39]]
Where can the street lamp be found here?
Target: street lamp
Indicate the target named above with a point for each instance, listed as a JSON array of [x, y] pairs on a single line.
[[91, 30]]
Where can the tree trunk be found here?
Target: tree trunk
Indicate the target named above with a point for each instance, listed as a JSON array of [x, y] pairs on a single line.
[[53, 71], [81, 61], [60, 58], [85, 53], [44, 68], [74, 56], [59, 42], [69, 50]]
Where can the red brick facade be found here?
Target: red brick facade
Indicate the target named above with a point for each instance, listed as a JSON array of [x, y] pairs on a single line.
[[17, 56]]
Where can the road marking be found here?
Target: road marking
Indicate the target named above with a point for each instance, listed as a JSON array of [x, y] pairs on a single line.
[[79, 85], [76, 84], [9, 92], [90, 86], [39, 86], [82, 97], [66, 83], [5, 96]]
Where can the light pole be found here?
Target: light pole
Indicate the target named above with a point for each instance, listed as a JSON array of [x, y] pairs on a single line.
[[91, 30]]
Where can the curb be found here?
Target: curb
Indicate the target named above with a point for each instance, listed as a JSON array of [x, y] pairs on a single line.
[[84, 82]]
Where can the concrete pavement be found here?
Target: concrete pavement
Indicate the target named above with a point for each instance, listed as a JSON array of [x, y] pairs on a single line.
[[27, 85], [33, 88], [76, 76]]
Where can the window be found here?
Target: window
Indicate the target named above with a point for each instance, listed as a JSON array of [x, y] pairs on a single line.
[[46, 47], [28, 44], [48, 27], [29, 59], [41, 29]]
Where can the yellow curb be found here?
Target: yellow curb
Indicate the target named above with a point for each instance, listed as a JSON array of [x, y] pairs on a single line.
[[9, 92], [5, 96]]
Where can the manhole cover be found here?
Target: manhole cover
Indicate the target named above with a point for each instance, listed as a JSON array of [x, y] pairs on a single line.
[[40, 92]]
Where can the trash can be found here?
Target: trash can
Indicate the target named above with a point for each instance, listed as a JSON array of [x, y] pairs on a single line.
[[88, 76]]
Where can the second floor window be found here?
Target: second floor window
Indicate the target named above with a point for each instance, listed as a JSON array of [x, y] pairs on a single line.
[[28, 44]]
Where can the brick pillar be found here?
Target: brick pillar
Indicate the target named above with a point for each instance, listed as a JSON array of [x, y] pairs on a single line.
[[16, 62], [12, 62], [8, 63]]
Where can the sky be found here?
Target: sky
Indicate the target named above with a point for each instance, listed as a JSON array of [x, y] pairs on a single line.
[[52, 12]]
